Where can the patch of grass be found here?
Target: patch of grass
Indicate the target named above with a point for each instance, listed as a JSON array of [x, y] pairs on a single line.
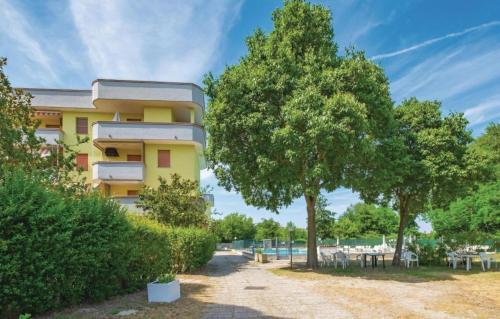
[[420, 274]]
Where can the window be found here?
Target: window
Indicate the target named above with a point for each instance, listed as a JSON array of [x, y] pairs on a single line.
[[52, 126], [133, 120], [132, 192], [134, 158], [82, 126], [163, 158], [82, 161]]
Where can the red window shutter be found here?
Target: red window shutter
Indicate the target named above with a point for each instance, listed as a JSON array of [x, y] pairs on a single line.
[[132, 192], [82, 125], [82, 161], [163, 158], [134, 158]]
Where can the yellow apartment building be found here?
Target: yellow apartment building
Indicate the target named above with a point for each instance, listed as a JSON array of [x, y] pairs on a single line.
[[137, 131]]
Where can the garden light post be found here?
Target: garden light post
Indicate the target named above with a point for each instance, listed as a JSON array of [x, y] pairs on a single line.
[[290, 231]]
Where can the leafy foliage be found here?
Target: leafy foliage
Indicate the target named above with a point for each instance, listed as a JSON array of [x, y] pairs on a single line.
[[177, 202], [325, 219], [293, 117], [473, 218], [235, 225], [267, 229], [488, 146], [365, 220], [58, 248], [428, 162]]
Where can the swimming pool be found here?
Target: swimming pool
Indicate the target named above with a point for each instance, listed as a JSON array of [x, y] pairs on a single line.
[[285, 251]]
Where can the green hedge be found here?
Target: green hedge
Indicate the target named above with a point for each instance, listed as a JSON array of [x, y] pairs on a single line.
[[59, 249]]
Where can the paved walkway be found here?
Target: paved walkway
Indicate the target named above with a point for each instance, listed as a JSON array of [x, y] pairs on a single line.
[[243, 289]]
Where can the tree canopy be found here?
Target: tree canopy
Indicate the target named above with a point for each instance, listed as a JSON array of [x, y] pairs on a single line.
[[472, 218], [293, 117], [267, 229], [366, 220], [325, 219], [429, 163], [176, 202], [236, 225]]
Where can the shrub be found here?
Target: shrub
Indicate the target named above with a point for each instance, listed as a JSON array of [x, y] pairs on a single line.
[[58, 249], [429, 254], [191, 248]]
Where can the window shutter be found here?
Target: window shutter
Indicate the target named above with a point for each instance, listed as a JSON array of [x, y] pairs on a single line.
[[163, 158], [82, 161], [82, 125], [132, 192], [134, 158]]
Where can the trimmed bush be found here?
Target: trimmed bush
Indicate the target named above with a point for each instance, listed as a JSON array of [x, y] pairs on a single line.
[[60, 249]]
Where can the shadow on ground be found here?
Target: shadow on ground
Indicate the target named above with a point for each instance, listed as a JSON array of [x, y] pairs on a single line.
[[401, 274], [191, 305]]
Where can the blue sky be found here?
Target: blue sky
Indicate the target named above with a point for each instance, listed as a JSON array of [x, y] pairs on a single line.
[[445, 50]]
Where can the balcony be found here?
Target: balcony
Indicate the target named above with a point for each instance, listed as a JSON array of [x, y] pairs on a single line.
[[104, 132], [108, 92], [50, 135], [118, 172]]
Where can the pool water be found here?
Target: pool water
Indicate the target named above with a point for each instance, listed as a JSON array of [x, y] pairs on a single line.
[[285, 251]]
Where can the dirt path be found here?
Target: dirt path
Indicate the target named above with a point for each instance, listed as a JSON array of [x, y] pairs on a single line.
[[232, 286], [242, 289]]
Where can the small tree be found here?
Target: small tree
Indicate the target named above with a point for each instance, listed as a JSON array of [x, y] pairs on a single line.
[[429, 163], [293, 117], [325, 219], [176, 202], [236, 225], [267, 229]]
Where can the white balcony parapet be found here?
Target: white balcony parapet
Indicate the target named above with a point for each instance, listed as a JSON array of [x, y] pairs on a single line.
[[147, 132], [129, 202], [61, 98], [118, 172], [110, 89], [50, 135]]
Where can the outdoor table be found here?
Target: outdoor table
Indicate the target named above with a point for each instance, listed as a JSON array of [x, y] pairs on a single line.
[[468, 259], [374, 256]]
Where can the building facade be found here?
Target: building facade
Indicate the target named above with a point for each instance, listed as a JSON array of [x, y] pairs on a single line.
[[137, 131]]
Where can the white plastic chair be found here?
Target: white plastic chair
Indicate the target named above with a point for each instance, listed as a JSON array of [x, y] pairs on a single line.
[[361, 261], [453, 259], [341, 258], [487, 259], [409, 258], [325, 260]]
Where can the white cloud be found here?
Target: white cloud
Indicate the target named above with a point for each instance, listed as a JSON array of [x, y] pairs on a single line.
[[450, 73], [485, 111], [157, 40], [434, 40], [13, 24]]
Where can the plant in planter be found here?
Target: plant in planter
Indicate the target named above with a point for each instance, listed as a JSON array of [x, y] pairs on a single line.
[[258, 254], [164, 289]]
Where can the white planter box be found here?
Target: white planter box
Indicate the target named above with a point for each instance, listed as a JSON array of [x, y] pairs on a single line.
[[168, 292]]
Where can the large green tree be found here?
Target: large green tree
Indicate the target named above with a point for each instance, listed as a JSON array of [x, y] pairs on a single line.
[[366, 220], [293, 117], [236, 225], [430, 163]]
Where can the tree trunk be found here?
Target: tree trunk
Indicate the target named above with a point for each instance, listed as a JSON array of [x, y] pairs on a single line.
[[312, 254], [403, 220]]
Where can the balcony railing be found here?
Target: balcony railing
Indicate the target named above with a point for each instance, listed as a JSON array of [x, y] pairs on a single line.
[[131, 172], [129, 202], [106, 131], [50, 135]]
